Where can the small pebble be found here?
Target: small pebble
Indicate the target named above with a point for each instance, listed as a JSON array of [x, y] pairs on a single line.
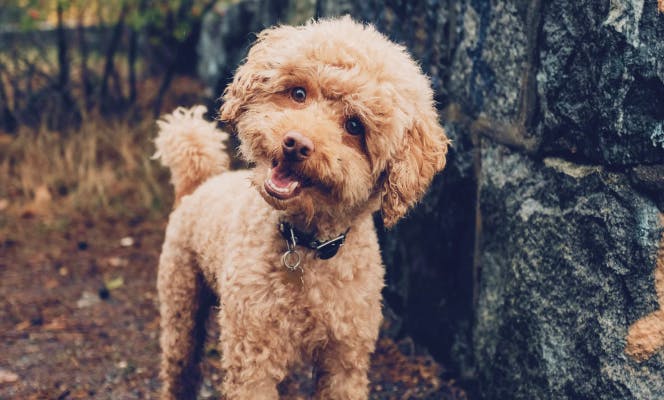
[[87, 299]]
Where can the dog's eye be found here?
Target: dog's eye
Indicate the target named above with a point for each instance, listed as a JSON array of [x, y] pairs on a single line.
[[299, 94], [354, 126]]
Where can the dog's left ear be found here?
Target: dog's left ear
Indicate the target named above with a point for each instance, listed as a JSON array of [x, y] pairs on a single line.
[[409, 174], [252, 78], [239, 92]]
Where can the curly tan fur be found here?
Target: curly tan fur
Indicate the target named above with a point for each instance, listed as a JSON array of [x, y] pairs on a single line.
[[191, 147], [223, 237]]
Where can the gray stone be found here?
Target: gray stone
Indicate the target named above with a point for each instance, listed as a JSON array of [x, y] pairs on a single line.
[[650, 180], [492, 75], [601, 80], [567, 259]]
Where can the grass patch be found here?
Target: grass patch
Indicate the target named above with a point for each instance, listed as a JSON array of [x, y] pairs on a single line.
[[101, 166]]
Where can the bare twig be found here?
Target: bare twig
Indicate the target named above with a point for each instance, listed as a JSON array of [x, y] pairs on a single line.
[[83, 51], [7, 118], [131, 64], [110, 54], [63, 63]]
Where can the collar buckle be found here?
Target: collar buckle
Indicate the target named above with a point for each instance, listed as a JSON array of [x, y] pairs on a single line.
[[330, 248], [325, 249]]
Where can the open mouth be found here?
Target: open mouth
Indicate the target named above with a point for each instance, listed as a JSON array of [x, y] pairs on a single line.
[[282, 182]]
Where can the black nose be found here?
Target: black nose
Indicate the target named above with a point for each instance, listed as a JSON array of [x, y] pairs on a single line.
[[296, 146]]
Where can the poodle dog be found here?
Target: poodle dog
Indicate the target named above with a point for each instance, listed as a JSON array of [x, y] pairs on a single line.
[[338, 123]]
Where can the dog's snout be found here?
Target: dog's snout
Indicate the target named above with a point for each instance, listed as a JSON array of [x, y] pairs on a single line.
[[296, 146]]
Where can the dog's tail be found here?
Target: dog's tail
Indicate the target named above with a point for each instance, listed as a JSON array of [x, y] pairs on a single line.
[[191, 147]]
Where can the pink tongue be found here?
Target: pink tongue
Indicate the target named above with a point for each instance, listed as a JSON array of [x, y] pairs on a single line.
[[281, 178]]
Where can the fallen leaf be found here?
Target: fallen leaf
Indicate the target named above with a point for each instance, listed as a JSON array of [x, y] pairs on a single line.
[[51, 283], [117, 262], [7, 376], [115, 283], [87, 299], [5, 138], [4, 204], [57, 324], [21, 326], [40, 205], [153, 325]]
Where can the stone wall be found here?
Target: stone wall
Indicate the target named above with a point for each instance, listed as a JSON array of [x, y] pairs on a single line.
[[530, 266]]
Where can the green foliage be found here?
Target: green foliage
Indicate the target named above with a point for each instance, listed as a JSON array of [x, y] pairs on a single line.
[[176, 16]]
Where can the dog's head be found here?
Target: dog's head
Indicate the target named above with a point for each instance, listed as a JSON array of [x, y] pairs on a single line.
[[336, 118]]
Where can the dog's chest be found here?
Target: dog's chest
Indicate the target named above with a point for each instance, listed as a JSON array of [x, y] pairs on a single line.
[[311, 312], [303, 305], [300, 310]]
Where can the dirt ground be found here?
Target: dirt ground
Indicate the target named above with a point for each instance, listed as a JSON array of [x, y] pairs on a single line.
[[79, 320]]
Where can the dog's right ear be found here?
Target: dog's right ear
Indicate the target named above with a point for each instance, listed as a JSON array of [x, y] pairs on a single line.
[[252, 78]]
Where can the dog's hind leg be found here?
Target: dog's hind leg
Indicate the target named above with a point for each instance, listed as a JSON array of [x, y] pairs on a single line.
[[185, 302]]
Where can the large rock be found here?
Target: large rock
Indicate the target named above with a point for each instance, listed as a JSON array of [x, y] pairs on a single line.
[[567, 256]]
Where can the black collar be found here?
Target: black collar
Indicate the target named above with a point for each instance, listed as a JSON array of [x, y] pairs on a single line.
[[325, 249]]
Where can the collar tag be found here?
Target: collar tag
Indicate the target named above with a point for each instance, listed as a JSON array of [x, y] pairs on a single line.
[[291, 257]]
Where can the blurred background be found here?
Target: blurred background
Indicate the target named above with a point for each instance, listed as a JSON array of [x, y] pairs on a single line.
[[519, 276]]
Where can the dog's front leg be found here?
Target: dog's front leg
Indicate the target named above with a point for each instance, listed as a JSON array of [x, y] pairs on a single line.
[[254, 354], [343, 371]]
